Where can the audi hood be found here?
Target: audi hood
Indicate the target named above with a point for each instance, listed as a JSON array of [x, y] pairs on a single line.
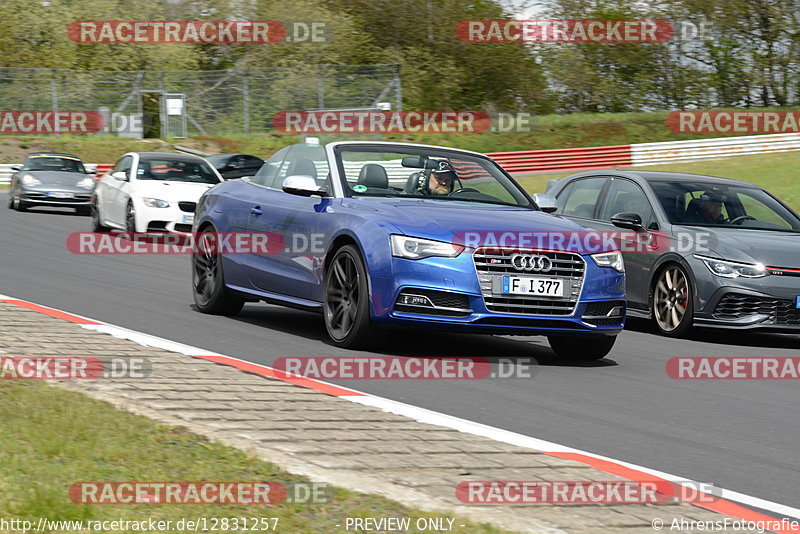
[[470, 222]]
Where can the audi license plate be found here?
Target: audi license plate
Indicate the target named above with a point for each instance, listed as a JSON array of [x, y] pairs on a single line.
[[540, 287]]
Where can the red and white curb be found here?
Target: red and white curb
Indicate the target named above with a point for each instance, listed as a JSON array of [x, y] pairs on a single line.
[[724, 505]]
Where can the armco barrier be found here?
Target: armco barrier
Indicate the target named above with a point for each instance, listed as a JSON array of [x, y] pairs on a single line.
[[604, 157], [700, 149], [568, 159]]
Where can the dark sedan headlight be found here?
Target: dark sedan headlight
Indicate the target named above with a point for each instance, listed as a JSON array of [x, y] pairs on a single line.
[[29, 180], [416, 248], [733, 269]]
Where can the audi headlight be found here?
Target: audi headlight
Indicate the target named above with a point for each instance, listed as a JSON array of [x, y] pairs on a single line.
[[415, 248], [86, 183], [155, 203], [29, 179], [610, 259], [733, 269]]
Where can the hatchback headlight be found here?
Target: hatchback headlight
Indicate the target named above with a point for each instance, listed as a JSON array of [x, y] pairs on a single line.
[[733, 269], [155, 203], [415, 248], [86, 183], [610, 259], [29, 179]]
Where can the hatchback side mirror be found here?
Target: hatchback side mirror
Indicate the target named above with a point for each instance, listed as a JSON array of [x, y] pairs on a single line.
[[546, 203], [16, 167], [629, 221]]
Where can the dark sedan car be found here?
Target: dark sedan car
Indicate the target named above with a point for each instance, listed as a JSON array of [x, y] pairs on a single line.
[[235, 165], [51, 179], [701, 250]]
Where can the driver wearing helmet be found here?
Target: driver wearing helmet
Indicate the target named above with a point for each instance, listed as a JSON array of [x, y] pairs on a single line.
[[438, 181]]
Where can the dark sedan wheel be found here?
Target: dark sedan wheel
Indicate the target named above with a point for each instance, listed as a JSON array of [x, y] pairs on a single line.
[[581, 349], [673, 302], [346, 302], [208, 282]]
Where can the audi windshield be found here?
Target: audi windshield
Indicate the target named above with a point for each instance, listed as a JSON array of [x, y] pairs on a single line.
[[714, 204], [431, 173]]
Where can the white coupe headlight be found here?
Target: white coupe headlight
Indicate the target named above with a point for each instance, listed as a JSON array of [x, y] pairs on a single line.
[[415, 248], [610, 259], [86, 183], [733, 269], [29, 179], [155, 203]]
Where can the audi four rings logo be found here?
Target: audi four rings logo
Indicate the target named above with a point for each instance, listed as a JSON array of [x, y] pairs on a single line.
[[531, 262]]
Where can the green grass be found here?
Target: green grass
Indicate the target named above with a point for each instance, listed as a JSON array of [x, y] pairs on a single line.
[[53, 438], [777, 173]]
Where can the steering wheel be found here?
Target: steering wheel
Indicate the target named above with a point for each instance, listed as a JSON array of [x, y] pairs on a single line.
[[743, 218], [464, 190]]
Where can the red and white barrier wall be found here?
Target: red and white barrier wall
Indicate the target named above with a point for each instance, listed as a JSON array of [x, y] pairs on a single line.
[[606, 157]]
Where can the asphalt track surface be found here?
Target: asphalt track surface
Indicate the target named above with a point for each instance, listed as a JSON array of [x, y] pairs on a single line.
[[740, 435]]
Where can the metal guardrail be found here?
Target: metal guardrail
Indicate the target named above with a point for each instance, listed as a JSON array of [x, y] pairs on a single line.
[[604, 157], [702, 149]]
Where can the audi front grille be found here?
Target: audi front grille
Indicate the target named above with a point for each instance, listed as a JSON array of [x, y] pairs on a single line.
[[493, 263]]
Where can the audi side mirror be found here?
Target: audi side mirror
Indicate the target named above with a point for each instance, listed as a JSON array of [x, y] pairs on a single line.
[[629, 221], [547, 203], [302, 185]]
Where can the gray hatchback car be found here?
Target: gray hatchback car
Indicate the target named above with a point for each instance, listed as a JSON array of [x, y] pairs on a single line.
[[732, 254]]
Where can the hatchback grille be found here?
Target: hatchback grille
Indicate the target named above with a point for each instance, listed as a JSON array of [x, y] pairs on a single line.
[[491, 263], [737, 306]]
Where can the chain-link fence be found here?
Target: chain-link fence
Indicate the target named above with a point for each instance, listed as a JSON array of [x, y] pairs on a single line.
[[230, 100]]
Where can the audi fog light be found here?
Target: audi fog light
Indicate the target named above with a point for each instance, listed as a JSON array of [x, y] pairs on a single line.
[[610, 259], [415, 248]]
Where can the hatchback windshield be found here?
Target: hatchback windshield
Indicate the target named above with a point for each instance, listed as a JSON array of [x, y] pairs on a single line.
[[176, 171], [394, 171], [715, 204]]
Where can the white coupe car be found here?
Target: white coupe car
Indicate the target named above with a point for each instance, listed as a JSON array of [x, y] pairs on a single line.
[[151, 192]]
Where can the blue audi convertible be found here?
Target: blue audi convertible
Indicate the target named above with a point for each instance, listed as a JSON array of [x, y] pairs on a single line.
[[378, 234]]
